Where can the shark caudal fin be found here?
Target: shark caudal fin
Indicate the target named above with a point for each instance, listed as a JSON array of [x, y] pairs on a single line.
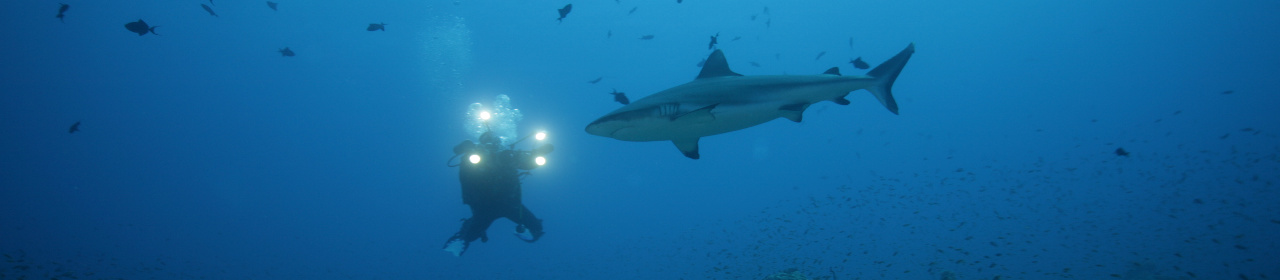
[[885, 74]]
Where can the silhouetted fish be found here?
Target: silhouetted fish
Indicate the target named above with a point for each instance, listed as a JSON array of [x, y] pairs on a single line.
[[646, 37], [633, 10], [271, 5], [1228, 92], [286, 52], [208, 9], [597, 80], [712, 45], [377, 26], [564, 11], [62, 9], [1122, 152], [140, 27], [858, 63], [620, 97], [74, 127], [820, 55], [735, 38]]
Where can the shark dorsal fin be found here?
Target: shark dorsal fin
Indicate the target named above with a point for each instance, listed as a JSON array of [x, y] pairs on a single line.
[[833, 71], [716, 66]]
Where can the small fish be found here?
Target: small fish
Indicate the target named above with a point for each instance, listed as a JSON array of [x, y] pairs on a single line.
[[564, 12], [620, 97], [633, 10], [820, 55], [376, 27], [74, 127], [1122, 152], [62, 9], [646, 37], [858, 63], [735, 38], [597, 80], [1228, 92], [712, 45], [271, 5], [208, 9], [140, 27], [286, 52]]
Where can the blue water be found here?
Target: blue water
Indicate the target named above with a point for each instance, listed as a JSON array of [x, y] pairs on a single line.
[[204, 154]]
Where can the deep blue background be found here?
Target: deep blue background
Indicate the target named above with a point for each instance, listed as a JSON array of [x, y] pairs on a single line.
[[205, 154]]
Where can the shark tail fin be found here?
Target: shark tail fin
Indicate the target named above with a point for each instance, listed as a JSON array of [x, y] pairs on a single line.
[[886, 73]]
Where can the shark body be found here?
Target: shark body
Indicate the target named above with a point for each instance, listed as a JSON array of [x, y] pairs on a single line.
[[720, 101]]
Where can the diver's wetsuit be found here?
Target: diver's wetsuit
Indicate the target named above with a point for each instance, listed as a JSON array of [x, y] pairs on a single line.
[[492, 189]]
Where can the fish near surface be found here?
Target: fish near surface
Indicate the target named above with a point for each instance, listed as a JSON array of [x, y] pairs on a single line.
[[564, 12], [140, 27], [286, 52], [271, 5], [208, 9], [721, 101], [377, 26]]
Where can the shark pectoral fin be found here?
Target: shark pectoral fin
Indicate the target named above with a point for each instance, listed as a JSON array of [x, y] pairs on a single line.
[[833, 71], [794, 112], [689, 147], [697, 116]]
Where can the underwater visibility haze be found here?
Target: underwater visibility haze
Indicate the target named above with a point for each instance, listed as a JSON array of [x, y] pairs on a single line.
[[232, 139]]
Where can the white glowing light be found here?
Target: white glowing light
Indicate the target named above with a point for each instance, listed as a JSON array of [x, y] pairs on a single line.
[[540, 160], [540, 136], [474, 158], [485, 116]]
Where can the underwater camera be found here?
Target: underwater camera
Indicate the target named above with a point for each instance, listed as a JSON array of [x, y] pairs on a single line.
[[490, 146]]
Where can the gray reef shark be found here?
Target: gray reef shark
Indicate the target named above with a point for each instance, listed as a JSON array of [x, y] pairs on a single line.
[[720, 101]]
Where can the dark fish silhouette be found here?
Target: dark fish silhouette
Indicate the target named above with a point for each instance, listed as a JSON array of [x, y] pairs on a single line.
[[633, 10], [597, 80], [377, 26], [735, 38], [646, 37], [74, 127], [564, 11], [140, 27], [712, 45], [1228, 92], [286, 52], [820, 55], [620, 97], [210, 3], [271, 5], [208, 9], [62, 9], [858, 63], [1122, 152]]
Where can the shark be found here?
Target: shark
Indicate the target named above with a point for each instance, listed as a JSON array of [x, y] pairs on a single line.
[[720, 101]]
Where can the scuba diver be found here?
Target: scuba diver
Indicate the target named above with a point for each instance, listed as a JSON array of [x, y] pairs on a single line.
[[490, 176]]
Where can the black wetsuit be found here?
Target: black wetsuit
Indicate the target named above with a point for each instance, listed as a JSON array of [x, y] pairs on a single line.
[[492, 189]]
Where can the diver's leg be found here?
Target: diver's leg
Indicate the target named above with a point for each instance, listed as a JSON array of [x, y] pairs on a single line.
[[473, 228], [525, 219]]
